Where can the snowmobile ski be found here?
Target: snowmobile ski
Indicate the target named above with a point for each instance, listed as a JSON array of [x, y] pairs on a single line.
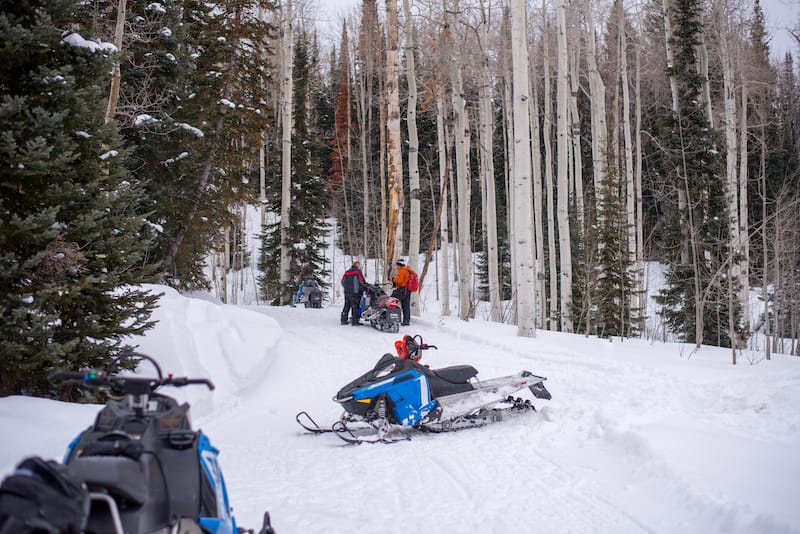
[[374, 432], [307, 422]]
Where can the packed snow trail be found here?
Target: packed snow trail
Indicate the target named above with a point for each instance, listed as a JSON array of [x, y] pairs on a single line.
[[462, 482], [638, 437], [573, 467]]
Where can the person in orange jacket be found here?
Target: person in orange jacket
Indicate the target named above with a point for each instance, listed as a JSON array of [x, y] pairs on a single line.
[[401, 292]]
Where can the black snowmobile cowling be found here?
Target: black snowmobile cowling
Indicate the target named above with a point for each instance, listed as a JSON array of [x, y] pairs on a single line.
[[399, 392], [144, 468]]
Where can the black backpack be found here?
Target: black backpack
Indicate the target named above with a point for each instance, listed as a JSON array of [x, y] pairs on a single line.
[[39, 497]]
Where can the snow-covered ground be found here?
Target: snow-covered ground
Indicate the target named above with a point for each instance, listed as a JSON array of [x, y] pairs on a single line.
[[639, 436]]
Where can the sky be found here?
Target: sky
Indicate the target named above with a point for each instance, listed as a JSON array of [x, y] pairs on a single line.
[[640, 436], [781, 16]]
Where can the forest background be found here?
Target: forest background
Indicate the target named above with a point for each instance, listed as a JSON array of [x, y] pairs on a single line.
[[552, 147]]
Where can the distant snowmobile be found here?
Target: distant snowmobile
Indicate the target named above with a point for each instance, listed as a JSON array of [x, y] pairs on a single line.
[[399, 394], [140, 468], [381, 310], [309, 294]]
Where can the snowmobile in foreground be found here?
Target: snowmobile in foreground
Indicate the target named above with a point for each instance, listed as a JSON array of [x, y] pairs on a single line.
[[140, 468], [399, 394], [381, 310]]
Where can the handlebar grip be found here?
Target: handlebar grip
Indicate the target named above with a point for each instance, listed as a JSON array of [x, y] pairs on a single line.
[[180, 381], [205, 381], [61, 376]]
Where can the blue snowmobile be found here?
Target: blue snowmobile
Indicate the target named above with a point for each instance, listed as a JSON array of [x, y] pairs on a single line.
[[140, 468], [399, 394]]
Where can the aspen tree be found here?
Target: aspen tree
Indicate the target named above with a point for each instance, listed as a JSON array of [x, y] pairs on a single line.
[[413, 153], [522, 207], [461, 139], [287, 60], [394, 229], [630, 183], [731, 171], [548, 174], [444, 170], [487, 165], [542, 296], [562, 113]]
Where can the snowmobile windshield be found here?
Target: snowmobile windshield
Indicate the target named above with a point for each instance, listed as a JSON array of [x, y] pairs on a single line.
[[385, 366]]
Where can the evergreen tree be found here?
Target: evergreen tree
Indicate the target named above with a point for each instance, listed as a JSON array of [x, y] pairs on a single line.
[[71, 247], [309, 203], [196, 131], [616, 285], [695, 229]]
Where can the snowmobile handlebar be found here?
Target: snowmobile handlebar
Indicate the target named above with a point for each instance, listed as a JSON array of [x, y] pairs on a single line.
[[129, 385]]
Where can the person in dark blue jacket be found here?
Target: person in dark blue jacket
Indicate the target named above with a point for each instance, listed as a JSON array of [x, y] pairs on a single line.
[[353, 284]]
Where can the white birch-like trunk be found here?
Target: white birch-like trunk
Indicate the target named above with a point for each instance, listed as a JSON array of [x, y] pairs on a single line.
[[453, 221], [702, 56], [731, 159], [384, 206], [640, 286], [597, 90], [548, 174], [487, 167], [462, 179], [523, 202], [394, 242], [538, 224], [562, 112], [765, 244], [413, 148], [630, 185], [287, 55], [744, 229], [262, 178], [366, 127], [225, 266], [444, 260], [508, 123], [575, 137]]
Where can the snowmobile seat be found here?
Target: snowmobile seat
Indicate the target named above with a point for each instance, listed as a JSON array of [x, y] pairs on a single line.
[[118, 475], [450, 380], [457, 374]]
